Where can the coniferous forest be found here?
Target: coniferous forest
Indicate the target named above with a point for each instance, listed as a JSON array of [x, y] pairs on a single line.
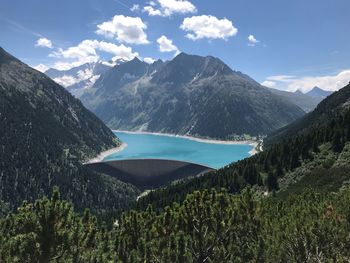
[[289, 202], [209, 226]]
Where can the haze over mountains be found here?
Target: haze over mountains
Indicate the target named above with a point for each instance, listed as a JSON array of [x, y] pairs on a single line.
[[307, 101], [190, 94]]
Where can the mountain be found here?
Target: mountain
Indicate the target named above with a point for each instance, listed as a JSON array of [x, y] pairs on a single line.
[[316, 92], [190, 94], [45, 135], [313, 152], [76, 79], [328, 109], [304, 101], [267, 220]]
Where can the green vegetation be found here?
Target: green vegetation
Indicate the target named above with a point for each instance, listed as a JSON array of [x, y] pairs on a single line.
[[209, 226], [45, 134], [255, 210], [305, 159]]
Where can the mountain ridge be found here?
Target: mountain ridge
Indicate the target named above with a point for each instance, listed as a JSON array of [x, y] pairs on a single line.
[[182, 96]]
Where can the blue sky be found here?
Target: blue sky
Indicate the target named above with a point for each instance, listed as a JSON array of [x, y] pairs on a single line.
[[283, 44]]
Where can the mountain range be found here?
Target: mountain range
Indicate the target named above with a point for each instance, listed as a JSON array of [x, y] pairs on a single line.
[[306, 101], [312, 152], [260, 209], [76, 79], [319, 93], [191, 95], [45, 135]]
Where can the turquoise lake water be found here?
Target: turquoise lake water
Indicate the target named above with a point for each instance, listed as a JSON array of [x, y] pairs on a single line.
[[165, 147]]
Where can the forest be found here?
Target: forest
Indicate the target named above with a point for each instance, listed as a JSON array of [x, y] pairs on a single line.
[[210, 226], [270, 170]]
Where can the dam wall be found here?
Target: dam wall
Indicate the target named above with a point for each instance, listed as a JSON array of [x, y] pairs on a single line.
[[149, 173]]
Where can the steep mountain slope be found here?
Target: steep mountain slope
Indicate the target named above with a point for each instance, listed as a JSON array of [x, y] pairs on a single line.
[[325, 111], [190, 94], [45, 134], [312, 153], [318, 93], [76, 79], [304, 101]]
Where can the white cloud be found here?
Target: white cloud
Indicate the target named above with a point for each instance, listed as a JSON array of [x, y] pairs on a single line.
[[252, 41], [125, 29], [169, 7], [166, 45], [152, 12], [292, 83], [135, 8], [66, 80], [268, 83], [149, 60], [86, 52], [43, 42], [82, 75], [41, 67], [208, 27]]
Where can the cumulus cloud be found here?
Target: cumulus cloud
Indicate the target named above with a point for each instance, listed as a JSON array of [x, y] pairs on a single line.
[[292, 83], [268, 83], [210, 27], [252, 41], [66, 80], [86, 52], [43, 42], [166, 45], [125, 29], [149, 60], [169, 7], [41, 67], [82, 75]]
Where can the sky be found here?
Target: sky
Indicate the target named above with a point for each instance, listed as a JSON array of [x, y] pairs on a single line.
[[287, 45]]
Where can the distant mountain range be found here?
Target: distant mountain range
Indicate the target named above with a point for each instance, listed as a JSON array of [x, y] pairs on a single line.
[[307, 101], [190, 94], [328, 109], [45, 134], [319, 93], [77, 79]]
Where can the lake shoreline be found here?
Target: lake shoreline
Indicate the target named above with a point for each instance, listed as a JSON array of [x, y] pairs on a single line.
[[102, 155], [252, 143]]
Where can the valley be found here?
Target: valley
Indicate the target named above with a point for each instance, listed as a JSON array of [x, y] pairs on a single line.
[[174, 131]]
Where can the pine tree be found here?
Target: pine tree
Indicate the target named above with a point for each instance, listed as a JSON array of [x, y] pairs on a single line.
[[271, 181], [336, 142]]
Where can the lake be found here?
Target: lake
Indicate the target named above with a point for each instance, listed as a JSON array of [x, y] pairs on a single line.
[[141, 146]]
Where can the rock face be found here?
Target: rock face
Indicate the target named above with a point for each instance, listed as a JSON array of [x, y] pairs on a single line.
[[190, 94], [77, 79], [45, 134]]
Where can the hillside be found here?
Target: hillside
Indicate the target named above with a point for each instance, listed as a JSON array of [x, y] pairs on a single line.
[[304, 101], [209, 227], [45, 134], [325, 111], [315, 153], [190, 94]]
